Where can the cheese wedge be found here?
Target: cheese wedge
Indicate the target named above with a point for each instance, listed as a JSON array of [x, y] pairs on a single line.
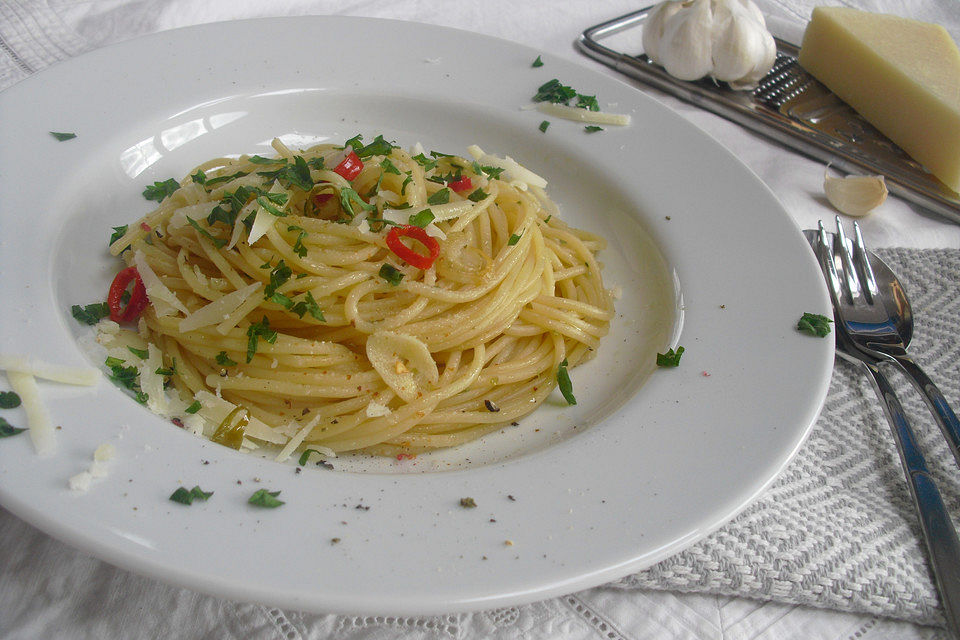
[[901, 75]]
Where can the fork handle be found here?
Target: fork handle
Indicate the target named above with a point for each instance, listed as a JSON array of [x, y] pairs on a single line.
[[945, 417], [938, 532]]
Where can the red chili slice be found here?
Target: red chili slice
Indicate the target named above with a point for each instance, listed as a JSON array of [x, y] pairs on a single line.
[[350, 167], [138, 296], [408, 255], [461, 184]]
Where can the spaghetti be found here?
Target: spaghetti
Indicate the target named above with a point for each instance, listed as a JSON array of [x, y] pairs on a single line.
[[357, 298]]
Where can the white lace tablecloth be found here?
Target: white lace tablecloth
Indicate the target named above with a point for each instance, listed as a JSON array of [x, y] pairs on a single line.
[[830, 551]]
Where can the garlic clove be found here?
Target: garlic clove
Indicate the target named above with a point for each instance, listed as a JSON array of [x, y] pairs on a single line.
[[685, 48], [855, 195], [653, 27]]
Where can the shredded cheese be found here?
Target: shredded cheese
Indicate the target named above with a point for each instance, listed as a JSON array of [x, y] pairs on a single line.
[[82, 376], [220, 309], [38, 419], [163, 299], [579, 114], [297, 440]]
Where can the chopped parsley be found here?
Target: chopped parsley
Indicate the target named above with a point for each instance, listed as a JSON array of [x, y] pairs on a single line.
[[278, 276], [9, 400], [379, 147], [185, 496], [352, 203], [224, 360], [118, 232], [558, 93], [391, 274], [477, 195], [256, 331], [440, 197], [492, 172], [255, 159], [814, 324], [563, 381], [194, 407], [425, 162], [422, 219], [90, 314], [308, 305], [305, 456], [298, 247], [63, 137], [126, 377], [140, 353], [592, 128], [554, 91], [537, 63], [160, 190], [389, 167], [264, 498], [217, 242], [7, 430], [671, 358], [544, 125], [514, 239]]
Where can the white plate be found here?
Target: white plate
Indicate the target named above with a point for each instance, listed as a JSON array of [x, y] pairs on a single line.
[[571, 498]]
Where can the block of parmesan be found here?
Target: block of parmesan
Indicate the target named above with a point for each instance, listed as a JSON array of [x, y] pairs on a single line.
[[901, 75]]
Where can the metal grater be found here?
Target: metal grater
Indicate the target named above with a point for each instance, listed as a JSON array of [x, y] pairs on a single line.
[[791, 107]]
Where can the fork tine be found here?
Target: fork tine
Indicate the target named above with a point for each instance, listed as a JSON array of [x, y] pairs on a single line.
[[863, 262], [849, 271], [828, 260]]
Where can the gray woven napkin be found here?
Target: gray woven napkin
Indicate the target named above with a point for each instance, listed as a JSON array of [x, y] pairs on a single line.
[[838, 529]]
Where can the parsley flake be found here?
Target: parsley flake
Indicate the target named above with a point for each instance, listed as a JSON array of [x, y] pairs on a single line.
[[184, 496], [544, 125], [440, 197], [9, 400], [563, 381], [140, 353], [422, 219], [537, 63], [194, 407], [160, 190], [224, 360], [514, 239], [118, 232], [63, 137], [814, 324], [266, 499], [592, 128], [391, 274], [305, 456], [671, 358], [7, 430], [256, 331], [90, 314]]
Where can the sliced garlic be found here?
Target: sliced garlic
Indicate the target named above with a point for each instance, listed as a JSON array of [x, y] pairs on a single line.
[[855, 195], [403, 362]]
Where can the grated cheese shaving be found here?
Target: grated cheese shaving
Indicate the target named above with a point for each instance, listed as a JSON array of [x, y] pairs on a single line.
[[38, 420], [220, 309], [82, 376], [297, 440], [579, 114]]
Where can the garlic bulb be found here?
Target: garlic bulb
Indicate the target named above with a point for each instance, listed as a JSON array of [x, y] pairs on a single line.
[[855, 195], [724, 39]]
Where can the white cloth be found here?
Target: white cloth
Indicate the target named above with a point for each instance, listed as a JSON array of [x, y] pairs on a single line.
[[48, 590]]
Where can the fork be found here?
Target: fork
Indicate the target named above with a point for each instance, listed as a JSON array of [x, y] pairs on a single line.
[[939, 534], [875, 330]]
